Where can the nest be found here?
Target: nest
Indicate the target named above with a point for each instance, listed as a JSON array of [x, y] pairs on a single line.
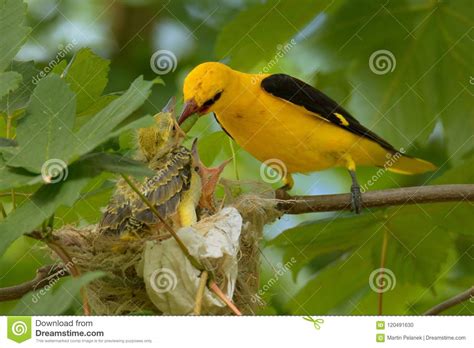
[[122, 291]]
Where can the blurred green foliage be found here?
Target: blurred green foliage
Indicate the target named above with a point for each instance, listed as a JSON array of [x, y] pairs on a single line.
[[401, 67]]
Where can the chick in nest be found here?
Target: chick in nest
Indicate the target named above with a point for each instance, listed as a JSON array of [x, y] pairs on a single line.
[[180, 184], [175, 188]]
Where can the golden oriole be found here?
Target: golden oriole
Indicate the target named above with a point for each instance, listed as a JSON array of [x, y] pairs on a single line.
[[276, 116]]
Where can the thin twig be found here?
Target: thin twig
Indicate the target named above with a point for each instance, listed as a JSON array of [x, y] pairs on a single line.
[[453, 301], [2, 211], [214, 288], [383, 256], [155, 212], [234, 160], [9, 130], [6, 194], [200, 293], [13, 199], [381, 198], [68, 261], [212, 285], [44, 276]]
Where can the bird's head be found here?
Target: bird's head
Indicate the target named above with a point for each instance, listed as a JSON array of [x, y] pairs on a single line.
[[158, 139], [203, 88]]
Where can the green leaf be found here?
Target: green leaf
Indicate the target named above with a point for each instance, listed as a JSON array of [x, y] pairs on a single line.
[[463, 173], [59, 68], [417, 246], [85, 211], [20, 97], [247, 39], [98, 105], [99, 162], [211, 146], [9, 81], [16, 177], [311, 239], [56, 299], [98, 130], [427, 49], [13, 29], [87, 76], [45, 132], [334, 286], [41, 206]]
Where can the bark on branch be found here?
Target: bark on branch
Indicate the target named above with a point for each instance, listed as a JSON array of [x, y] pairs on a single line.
[[44, 276], [453, 301], [381, 198]]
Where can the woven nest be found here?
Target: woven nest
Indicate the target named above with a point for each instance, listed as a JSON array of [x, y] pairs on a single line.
[[122, 291]]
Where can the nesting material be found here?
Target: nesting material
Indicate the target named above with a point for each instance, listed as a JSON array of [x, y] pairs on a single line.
[[226, 243], [171, 280]]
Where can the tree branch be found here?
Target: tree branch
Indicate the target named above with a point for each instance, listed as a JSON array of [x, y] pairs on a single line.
[[70, 264], [44, 276], [453, 301], [381, 198]]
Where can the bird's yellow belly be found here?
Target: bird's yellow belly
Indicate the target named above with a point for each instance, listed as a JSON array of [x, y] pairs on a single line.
[[279, 130]]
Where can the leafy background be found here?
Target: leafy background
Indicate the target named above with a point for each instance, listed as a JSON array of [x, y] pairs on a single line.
[[86, 109]]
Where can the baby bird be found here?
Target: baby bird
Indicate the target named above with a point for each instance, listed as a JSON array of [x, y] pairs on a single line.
[[175, 189]]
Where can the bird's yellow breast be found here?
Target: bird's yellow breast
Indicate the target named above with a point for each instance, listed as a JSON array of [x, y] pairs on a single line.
[[271, 128]]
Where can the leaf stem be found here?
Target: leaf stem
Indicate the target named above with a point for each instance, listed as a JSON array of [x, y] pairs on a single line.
[[383, 256], [200, 293], [9, 131], [234, 160]]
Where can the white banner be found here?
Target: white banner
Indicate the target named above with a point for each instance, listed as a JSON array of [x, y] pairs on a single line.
[[229, 332]]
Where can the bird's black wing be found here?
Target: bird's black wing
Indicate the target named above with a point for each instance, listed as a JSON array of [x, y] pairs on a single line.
[[300, 93]]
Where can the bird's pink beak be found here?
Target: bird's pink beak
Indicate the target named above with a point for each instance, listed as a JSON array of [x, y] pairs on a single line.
[[190, 108]]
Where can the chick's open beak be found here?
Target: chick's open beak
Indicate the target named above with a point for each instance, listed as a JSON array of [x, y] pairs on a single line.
[[190, 108]]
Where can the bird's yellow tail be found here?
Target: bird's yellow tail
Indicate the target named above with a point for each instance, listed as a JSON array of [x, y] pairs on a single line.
[[402, 164]]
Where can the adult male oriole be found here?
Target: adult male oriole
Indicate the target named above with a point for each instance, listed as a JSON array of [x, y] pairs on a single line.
[[280, 117]]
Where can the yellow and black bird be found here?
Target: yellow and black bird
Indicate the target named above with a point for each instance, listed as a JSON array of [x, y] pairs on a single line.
[[280, 117], [175, 189]]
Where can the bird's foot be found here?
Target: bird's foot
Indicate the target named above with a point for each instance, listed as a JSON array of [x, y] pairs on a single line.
[[356, 199], [282, 192]]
